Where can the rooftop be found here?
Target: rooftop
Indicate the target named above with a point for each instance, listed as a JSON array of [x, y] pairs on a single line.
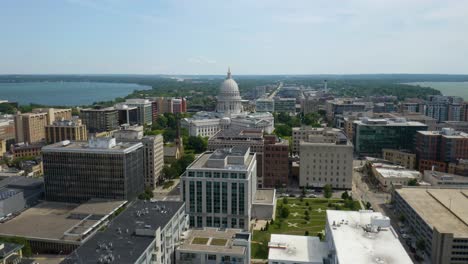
[[301, 249], [387, 122], [395, 171], [265, 196], [445, 132], [93, 145], [7, 248], [236, 158], [444, 209], [60, 221], [357, 241], [444, 177], [239, 133], [128, 235], [214, 240]]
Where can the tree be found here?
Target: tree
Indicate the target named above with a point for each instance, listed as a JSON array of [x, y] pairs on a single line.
[[284, 212], [170, 172], [171, 120], [161, 123], [267, 225], [368, 205], [345, 195], [327, 191], [283, 130], [197, 144], [413, 182], [285, 200], [421, 244], [306, 233], [303, 191], [169, 135]]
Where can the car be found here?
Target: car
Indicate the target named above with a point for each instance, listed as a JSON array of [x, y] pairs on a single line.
[[405, 236]]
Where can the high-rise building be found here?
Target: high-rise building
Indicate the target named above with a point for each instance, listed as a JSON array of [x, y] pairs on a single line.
[[326, 158], [30, 127], [127, 114], [339, 106], [66, 130], [303, 133], [437, 219], [370, 136], [219, 188], [100, 119], [7, 130], [100, 168], [436, 148], [153, 152], [145, 110], [285, 105], [264, 105], [444, 108]]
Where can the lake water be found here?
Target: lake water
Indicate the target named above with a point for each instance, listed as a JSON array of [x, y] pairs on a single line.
[[447, 88], [65, 93]]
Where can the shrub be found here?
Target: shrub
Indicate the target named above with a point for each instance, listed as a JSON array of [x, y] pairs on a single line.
[[285, 200], [306, 233]]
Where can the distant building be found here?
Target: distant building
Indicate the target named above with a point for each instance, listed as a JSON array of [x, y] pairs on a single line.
[[145, 233], [390, 177], [443, 179], [400, 157], [326, 158], [341, 105], [17, 193], [370, 136], [438, 148], [219, 188], [444, 108], [363, 237], [100, 119], [78, 171], [461, 126], [22, 150], [127, 115], [285, 105], [7, 131], [153, 152], [30, 127], [66, 130], [437, 217], [213, 245], [459, 167], [162, 105], [276, 162], [265, 105], [145, 112], [302, 134]]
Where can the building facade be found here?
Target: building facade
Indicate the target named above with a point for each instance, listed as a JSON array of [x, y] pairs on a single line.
[[285, 105], [219, 188], [78, 171], [326, 159], [400, 157], [264, 105], [145, 110], [66, 130], [100, 119], [370, 136], [303, 133], [276, 162]]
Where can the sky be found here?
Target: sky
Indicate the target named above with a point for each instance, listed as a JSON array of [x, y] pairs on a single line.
[[250, 36]]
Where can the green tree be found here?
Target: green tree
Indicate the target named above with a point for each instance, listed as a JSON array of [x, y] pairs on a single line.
[[169, 135], [421, 244], [284, 212], [306, 233], [283, 130], [285, 200], [327, 191], [170, 172], [368, 205], [413, 182], [197, 144], [161, 123], [345, 195]]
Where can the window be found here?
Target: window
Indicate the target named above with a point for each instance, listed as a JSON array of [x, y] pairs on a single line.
[[199, 174], [216, 174], [233, 175], [191, 174], [225, 175]]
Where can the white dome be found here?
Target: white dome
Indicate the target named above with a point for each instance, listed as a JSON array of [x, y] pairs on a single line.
[[229, 87], [229, 99]]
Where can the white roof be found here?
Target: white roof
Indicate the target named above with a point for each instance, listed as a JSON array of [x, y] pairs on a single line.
[[354, 245], [398, 173], [298, 249]]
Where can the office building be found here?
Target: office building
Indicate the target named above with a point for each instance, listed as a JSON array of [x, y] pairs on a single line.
[[276, 162], [145, 110], [127, 115], [219, 188], [444, 108], [338, 106], [66, 130], [443, 179], [162, 105], [179, 105], [285, 105], [30, 127], [145, 233], [438, 148], [100, 119], [60, 228], [403, 158], [370, 136], [393, 176], [326, 158], [302, 134], [153, 152], [265, 105], [291, 249], [100, 168], [213, 245], [438, 220], [17, 193]]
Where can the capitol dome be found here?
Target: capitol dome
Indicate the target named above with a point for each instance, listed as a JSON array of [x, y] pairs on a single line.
[[229, 99]]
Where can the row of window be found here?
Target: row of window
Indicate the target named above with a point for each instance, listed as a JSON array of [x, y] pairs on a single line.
[[224, 175]]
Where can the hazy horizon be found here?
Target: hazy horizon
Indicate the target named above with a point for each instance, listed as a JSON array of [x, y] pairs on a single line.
[[182, 37]]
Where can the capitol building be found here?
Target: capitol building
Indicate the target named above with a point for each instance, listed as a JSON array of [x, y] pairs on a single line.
[[229, 113]]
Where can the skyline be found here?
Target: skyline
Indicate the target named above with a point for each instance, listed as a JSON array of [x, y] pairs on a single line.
[[259, 38]]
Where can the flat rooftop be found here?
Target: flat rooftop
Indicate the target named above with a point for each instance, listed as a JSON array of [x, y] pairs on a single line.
[[128, 235], [87, 146], [387, 122], [60, 221], [301, 249], [389, 171], [214, 240], [265, 196], [239, 133], [354, 245], [453, 134], [444, 209], [202, 162]]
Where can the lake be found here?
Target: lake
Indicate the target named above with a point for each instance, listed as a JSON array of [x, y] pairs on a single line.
[[447, 88], [65, 93]]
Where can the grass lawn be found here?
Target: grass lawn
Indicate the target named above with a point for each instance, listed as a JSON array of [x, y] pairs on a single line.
[[295, 223]]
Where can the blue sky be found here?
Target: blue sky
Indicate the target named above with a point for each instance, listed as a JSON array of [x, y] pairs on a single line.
[[251, 36]]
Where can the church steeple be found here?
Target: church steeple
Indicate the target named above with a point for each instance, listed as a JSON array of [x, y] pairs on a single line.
[[229, 73]]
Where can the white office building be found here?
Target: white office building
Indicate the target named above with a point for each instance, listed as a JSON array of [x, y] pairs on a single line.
[[290, 249]]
